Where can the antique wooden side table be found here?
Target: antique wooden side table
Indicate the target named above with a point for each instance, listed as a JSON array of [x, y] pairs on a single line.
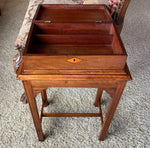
[[73, 46]]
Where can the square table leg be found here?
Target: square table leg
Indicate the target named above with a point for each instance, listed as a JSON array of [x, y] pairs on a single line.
[[111, 109], [44, 97], [98, 97], [33, 109]]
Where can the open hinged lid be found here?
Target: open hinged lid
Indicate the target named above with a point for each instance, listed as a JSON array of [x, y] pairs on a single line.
[[57, 13]]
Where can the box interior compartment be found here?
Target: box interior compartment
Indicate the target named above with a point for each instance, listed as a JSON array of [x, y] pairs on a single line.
[[72, 13], [73, 39]]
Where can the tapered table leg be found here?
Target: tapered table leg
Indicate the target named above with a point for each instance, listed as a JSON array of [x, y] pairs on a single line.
[[98, 97], [111, 109], [44, 98], [33, 109]]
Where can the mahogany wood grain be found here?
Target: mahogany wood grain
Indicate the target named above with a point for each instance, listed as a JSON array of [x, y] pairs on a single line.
[[111, 109], [115, 62], [71, 114], [117, 44], [88, 71], [73, 77], [43, 104], [61, 49], [98, 97], [74, 39], [51, 42], [101, 113], [72, 28], [73, 83], [33, 109], [44, 98], [64, 13]]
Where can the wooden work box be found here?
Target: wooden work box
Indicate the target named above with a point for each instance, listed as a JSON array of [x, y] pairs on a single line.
[[73, 46], [73, 37]]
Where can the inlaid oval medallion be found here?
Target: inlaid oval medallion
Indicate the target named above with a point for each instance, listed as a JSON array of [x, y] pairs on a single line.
[[74, 60]]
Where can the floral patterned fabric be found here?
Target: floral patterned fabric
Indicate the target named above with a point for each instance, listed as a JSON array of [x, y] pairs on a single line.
[[113, 5]]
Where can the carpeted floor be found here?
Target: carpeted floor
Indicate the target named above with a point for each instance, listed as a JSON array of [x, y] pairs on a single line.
[[131, 124]]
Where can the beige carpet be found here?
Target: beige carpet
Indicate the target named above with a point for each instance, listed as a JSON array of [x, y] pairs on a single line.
[[131, 124]]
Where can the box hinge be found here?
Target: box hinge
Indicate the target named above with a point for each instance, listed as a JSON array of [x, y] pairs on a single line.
[[47, 21], [98, 21]]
